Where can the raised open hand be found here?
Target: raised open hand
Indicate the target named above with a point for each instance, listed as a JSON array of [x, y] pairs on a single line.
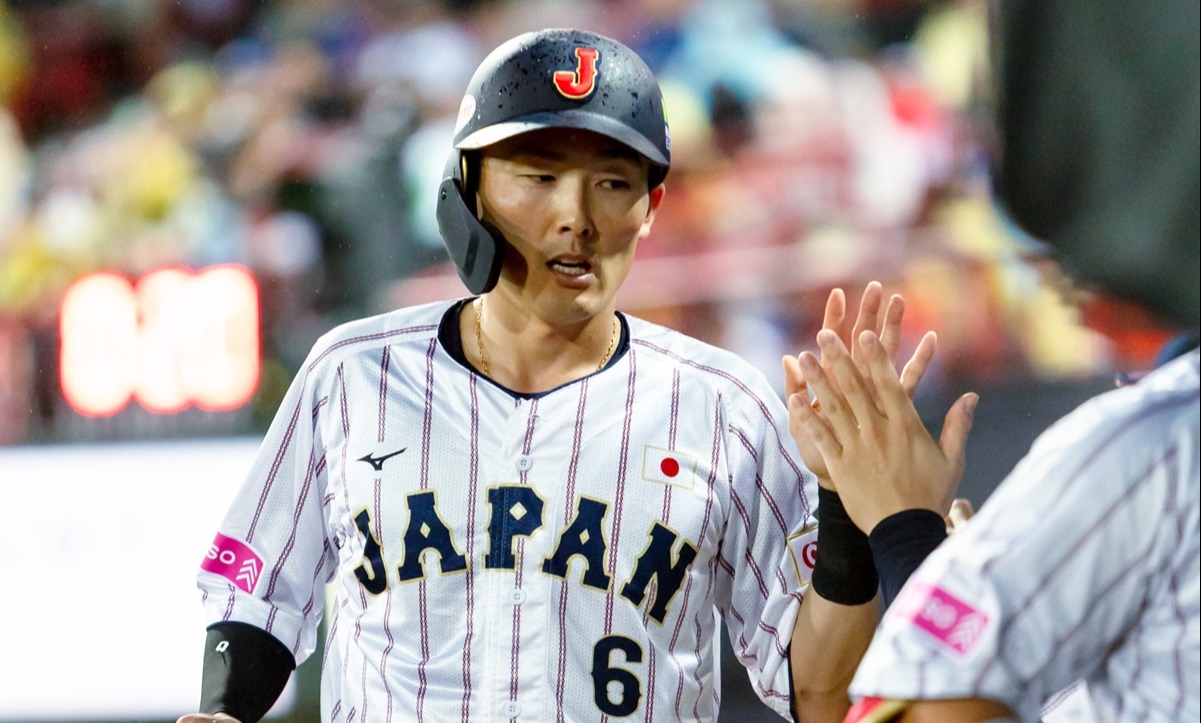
[[880, 457], [887, 327]]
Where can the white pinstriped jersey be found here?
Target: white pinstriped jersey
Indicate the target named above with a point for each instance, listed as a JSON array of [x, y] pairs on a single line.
[[1083, 565], [561, 557]]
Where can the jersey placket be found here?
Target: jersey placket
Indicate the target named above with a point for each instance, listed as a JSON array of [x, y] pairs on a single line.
[[519, 643]]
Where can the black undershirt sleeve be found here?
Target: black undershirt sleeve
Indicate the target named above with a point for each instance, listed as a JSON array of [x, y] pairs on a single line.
[[900, 542], [245, 670]]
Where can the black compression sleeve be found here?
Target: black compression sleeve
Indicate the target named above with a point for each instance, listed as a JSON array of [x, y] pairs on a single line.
[[245, 670], [844, 572], [899, 544]]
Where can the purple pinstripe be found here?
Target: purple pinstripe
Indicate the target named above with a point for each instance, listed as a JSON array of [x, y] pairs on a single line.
[[619, 496], [345, 418], [714, 456], [291, 543], [1177, 659], [573, 467], [383, 391], [379, 534], [472, 492], [358, 631], [698, 634], [426, 425], [279, 460], [308, 606]]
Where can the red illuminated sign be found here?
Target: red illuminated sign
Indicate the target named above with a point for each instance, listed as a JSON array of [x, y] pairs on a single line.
[[177, 338]]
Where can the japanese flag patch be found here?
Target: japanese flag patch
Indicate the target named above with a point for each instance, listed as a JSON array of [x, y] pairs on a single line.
[[668, 466], [803, 546]]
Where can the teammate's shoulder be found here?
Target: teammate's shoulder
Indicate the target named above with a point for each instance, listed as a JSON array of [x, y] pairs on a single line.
[[380, 330], [1180, 376], [1168, 390], [1139, 416]]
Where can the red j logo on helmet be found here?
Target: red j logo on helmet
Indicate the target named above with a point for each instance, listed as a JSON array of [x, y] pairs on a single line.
[[579, 83]]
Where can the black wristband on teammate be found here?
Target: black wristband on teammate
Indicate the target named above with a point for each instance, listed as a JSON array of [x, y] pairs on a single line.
[[899, 544], [844, 571], [245, 670]]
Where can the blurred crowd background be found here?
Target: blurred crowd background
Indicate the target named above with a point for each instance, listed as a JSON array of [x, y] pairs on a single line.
[[816, 144]]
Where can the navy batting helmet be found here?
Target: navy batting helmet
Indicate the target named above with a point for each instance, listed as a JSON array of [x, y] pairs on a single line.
[[556, 78]]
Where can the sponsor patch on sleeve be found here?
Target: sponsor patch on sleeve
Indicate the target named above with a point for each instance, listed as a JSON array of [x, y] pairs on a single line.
[[952, 624], [803, 547], [668, 466], [233, 560]]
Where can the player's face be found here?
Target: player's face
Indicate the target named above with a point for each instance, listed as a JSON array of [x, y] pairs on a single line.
[[572, 205]]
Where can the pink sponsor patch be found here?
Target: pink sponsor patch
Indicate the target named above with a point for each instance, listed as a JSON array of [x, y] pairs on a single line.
[[233, 560], [946, 618]]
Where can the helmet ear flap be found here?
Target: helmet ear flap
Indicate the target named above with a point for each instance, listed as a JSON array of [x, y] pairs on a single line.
[[476, 248]]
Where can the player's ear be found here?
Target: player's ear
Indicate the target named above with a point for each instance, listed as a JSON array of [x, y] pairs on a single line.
[[656, 198]]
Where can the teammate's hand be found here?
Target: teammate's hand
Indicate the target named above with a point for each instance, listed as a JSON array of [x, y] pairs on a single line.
[[879, 455], [888, 330], [206, 718]]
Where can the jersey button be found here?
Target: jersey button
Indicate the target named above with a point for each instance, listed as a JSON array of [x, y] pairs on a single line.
[[516, 596], [512, 709], [524, 462]]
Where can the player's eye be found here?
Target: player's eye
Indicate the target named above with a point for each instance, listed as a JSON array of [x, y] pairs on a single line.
[[616, 184]]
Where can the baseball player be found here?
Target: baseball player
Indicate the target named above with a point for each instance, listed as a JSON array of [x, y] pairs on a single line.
[[532, 507], [1079, 578]]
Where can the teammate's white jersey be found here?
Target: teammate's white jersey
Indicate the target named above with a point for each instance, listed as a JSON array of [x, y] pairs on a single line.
[[1082, 565], [495, 558]]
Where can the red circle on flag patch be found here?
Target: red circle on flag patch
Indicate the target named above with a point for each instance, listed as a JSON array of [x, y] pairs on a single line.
[[669, 467], [809, 555]]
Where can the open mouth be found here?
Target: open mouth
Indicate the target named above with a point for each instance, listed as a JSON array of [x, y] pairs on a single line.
[[570, 267]]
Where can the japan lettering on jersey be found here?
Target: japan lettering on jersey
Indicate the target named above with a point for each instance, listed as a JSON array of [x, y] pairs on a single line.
[[561, 557]]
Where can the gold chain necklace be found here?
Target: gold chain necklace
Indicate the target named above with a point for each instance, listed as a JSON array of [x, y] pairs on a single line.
[[479, 339]]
